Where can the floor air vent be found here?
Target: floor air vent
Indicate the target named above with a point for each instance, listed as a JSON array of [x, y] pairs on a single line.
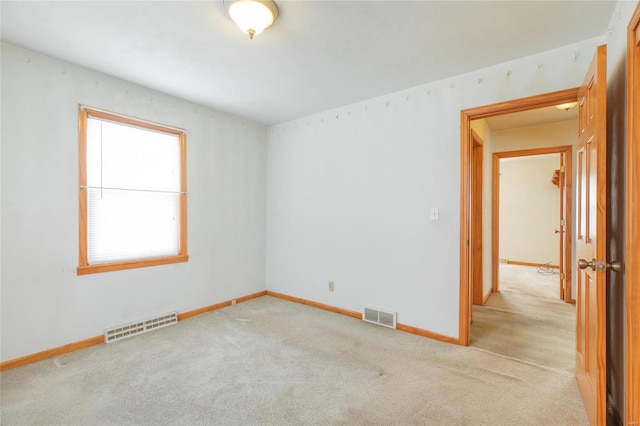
[[138, 327], [379, 316]]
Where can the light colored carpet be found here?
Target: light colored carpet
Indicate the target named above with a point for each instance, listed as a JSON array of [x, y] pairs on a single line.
[[519, 324], [273, 362], [529, 280]]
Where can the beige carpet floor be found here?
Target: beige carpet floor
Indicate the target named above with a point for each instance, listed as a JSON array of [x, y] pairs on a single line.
[[531, 280], [273, 362], [526, 320]]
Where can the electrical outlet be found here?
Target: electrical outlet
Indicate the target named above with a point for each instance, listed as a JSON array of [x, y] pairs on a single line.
[[331, 286]]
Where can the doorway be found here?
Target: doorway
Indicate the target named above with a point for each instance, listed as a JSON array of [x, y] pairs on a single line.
[[531, 218], [524, 315], [468, 221]]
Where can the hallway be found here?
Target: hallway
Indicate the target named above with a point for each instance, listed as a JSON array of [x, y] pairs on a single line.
[[526, 320]]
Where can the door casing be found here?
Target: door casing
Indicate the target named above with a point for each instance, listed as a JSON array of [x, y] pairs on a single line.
[[467, 219], [477, 207]]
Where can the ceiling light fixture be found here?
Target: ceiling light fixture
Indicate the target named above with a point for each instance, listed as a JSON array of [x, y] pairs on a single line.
[[567, 106], [252, 16]]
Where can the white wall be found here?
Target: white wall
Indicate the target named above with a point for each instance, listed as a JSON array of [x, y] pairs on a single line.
[[350, 191], [529, 209], [44, 303]]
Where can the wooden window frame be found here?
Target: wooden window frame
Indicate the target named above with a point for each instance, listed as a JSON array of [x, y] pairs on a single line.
[[83, 264]]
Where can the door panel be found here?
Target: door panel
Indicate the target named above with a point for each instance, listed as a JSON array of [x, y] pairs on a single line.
[[591, 241]]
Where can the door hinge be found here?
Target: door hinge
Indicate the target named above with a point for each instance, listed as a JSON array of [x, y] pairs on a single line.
[[563, 222], [562, 276], [561, 169]]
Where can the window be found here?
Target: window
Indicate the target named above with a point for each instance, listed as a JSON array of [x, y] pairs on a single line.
[[132, 195]]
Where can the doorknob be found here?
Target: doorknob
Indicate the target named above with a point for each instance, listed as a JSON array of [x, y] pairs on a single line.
[[615, 266], [583, 264]]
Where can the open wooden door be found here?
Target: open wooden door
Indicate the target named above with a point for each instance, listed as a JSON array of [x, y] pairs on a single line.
[[591, 240]]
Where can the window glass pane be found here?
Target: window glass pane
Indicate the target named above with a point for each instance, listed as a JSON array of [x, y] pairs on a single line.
[[127, 218], [126, 225], [121, 156]]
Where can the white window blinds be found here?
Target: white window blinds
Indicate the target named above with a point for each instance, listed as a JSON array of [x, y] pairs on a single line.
[[133, 192]]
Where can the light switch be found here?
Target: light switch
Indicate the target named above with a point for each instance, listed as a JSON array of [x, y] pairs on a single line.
[[435, 214]]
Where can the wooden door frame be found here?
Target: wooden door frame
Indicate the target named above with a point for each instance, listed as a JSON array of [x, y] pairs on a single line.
[[565, 150], [477, 207], [466, 149], [565, 262], [632, 227]]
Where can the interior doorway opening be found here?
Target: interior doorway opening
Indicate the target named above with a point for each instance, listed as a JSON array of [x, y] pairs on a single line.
[[523, 314], [530, 215], [532, 212], [469, 221]]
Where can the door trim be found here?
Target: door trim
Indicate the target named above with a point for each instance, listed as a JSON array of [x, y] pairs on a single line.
[[466, 149], [564, 150], [632, 237], [477, 207]]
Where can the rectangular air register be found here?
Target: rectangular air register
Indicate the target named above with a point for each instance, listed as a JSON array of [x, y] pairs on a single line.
[[380, 316], [138, 327]]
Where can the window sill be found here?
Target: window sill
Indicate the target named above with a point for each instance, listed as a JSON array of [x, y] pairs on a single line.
[[130, 264]]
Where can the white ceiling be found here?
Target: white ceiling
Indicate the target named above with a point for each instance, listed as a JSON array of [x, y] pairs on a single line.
[[318, 55]]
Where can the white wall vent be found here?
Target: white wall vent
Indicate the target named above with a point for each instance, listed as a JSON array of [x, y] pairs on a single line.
[[138, 327], [379, 316]]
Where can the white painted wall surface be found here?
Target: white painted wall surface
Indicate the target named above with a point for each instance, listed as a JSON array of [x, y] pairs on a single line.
[[350, 191], [44, 303], [529, 209]]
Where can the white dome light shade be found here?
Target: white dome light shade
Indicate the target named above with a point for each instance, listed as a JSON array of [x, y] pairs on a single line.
[[252, 16]]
